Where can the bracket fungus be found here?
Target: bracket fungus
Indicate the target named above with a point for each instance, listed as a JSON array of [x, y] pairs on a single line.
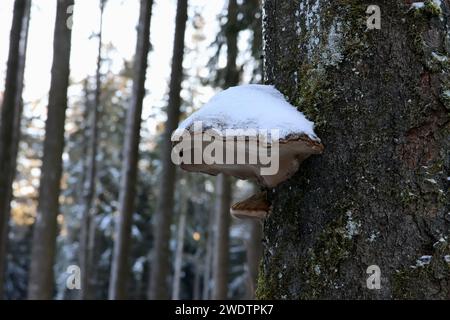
[[256, 207], [248, 132]]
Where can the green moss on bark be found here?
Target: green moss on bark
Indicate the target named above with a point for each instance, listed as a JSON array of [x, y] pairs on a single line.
[[334, 246], [319, 266], [430, 9], [402, 280], [265, 286], [424, 281]]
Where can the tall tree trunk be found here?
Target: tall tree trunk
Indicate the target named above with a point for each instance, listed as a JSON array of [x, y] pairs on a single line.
[[88, 223], [178, 265], [41, 281], [378, 195], [160, 263], [120, 268], [209, 247], [196, 293], [254, 253], [221, 257], [232, 74], [11, 113], [73, 233], [223, 184]]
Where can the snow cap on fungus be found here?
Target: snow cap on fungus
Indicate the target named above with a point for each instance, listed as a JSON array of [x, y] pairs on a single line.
[[252, 109]]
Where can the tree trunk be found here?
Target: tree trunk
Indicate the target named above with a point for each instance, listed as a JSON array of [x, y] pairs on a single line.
[[221, 254], [11, 113], [221, 257], [207, 266], [178, 265], [41, 279], [120, 268], [378, 195], [88, 223], [196, 293], [160, 262], [232, 73], [254, 253]]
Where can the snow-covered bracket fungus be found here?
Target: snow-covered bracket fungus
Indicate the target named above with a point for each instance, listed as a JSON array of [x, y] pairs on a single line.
[[248, 132]]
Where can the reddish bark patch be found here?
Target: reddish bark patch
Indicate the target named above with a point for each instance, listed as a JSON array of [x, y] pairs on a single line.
[[425, 80], [420, 146]]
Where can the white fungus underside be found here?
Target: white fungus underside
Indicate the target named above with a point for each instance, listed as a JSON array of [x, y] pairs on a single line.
[[258, 107]]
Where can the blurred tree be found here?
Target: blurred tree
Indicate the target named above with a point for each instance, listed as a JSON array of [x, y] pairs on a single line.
[[208, 259], [11, 114], [253, 256], [116, 95], [248, 21], [221, 259], [87, 241], [41, 280], [238, 17], [181, 230], [158, 288], [72, 195], [24, 204], [223, 185], [127, 198]]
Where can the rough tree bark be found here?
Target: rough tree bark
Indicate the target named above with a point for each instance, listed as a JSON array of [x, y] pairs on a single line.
[[158, 287], [379, 194], [120, 267], [41, 280], [87, 236], [223, 184], [11, 113]]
